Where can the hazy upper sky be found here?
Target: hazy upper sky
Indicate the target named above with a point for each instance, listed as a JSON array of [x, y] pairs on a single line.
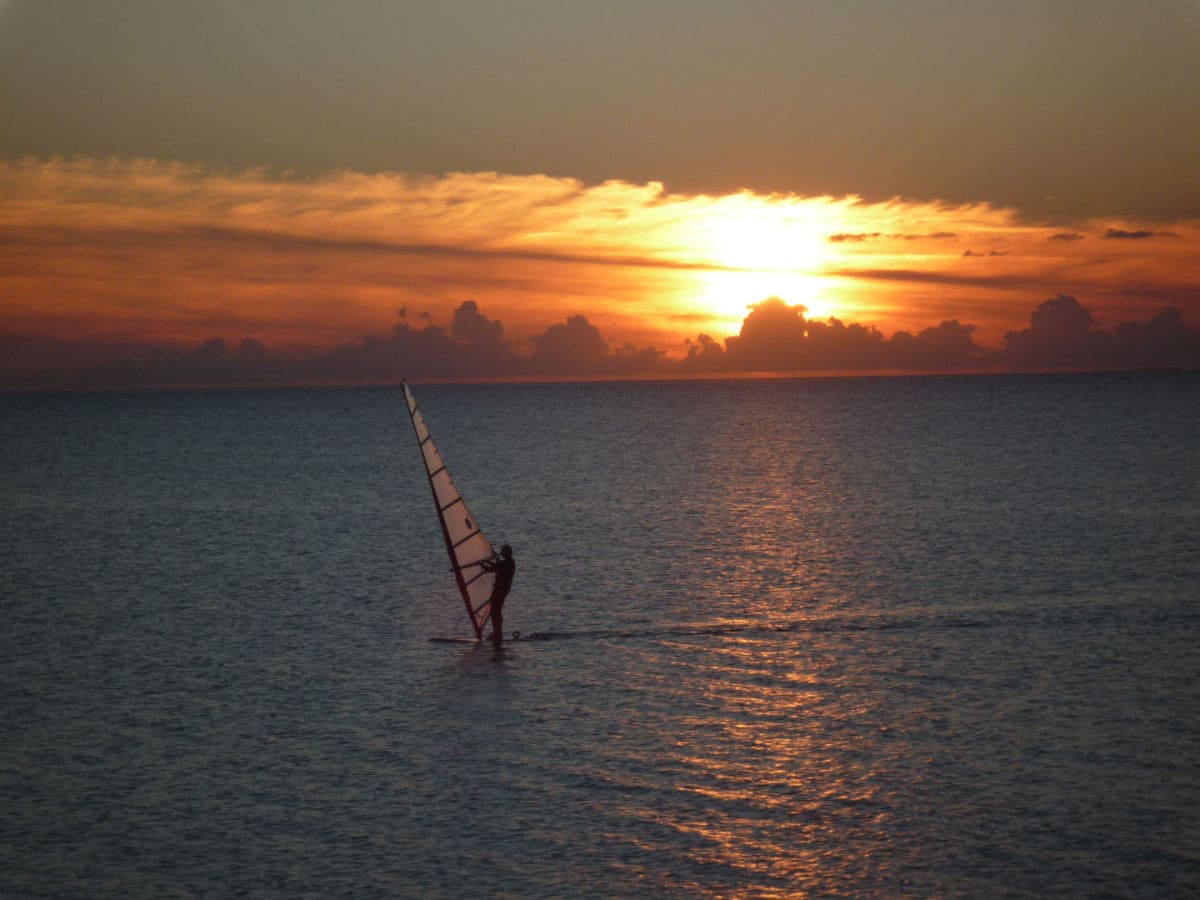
[[1059, 107]]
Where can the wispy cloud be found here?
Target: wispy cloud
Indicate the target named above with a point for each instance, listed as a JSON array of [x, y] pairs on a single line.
[[142, 250], [1121, 234]]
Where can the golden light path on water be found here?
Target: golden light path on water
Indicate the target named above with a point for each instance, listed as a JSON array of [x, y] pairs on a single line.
[[778, 778]]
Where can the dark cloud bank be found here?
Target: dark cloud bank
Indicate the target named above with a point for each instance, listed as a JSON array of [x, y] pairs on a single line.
[[775, 337]]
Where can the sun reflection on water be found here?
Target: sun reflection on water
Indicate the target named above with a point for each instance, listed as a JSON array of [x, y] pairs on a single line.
[[762, 770]]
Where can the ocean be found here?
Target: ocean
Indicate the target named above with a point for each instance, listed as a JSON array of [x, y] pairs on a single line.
[[818, 637]]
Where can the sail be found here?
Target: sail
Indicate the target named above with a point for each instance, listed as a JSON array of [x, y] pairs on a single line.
[[466, 543]]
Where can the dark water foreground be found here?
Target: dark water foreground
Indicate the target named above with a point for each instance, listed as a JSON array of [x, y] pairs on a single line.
[[906, 636]]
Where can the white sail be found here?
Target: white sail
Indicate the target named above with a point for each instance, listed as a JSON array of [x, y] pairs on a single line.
[[466, 543]]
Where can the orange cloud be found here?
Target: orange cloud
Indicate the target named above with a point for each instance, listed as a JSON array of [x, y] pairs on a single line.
[[138, 250]]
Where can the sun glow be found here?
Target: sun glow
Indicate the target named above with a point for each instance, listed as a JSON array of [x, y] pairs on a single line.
[[728, 295], [314, 263], [761, 250]]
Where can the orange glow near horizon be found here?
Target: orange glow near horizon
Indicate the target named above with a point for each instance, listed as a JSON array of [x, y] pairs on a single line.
[[151, 251]]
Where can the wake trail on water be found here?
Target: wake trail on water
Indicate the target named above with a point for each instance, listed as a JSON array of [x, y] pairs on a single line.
[[721, 630], [1092, 613]]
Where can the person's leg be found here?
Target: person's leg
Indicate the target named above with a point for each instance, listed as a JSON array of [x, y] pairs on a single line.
[[497, 622]]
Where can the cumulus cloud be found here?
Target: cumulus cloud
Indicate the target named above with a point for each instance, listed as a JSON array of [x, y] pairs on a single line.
[[775, 337], [705, 355], [482, 338], [472, 327], [947, 346], [1164, 340], [1063, 334], [572, 347], [772, 338]]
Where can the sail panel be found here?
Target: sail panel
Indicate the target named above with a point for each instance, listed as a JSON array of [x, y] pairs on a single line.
[[460, 527], [419, 425], [466, 543], [433, 459], [443, 488]]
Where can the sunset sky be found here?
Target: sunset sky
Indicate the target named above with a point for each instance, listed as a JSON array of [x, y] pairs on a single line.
[[308, 175]]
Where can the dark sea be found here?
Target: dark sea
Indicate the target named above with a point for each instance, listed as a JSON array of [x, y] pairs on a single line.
[[858, 637]]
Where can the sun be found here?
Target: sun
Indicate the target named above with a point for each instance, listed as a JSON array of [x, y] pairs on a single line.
[[758, 250]]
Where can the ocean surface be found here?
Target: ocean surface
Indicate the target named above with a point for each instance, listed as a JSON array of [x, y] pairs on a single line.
[[861, 637]]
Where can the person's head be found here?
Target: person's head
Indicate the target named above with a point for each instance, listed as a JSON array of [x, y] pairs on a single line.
[[506, 551]]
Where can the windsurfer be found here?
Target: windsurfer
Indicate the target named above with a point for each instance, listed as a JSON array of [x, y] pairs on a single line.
[[505, 567]]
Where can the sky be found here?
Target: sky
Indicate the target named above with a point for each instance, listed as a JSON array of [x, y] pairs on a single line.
[[606, 187]]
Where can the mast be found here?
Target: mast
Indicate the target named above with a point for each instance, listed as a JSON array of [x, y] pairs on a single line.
[[466, 543]]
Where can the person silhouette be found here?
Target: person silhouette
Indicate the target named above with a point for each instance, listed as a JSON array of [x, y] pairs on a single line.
[[504, 566]]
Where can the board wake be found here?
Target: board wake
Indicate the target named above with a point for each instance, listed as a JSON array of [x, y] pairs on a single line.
[[601, 634], [953, 620]]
